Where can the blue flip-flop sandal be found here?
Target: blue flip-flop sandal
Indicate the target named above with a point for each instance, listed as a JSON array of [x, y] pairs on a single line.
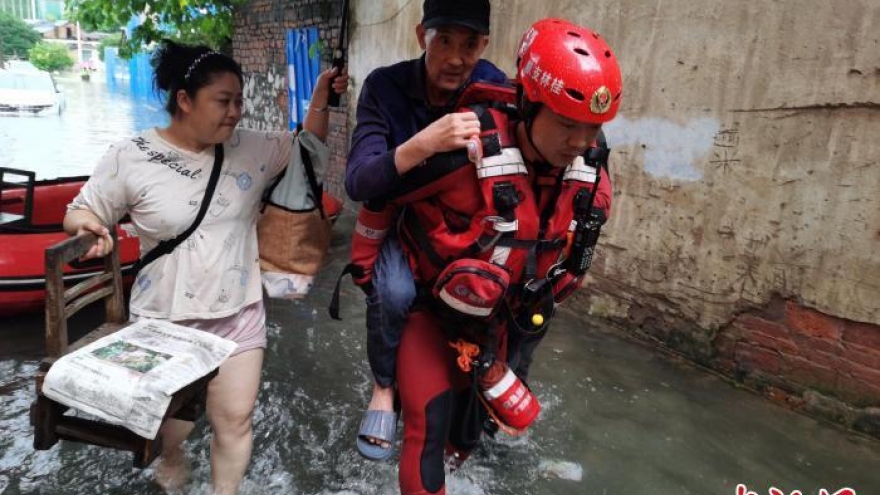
[[381, 425]]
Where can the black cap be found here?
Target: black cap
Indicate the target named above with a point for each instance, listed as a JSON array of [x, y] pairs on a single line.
[[473, 14]]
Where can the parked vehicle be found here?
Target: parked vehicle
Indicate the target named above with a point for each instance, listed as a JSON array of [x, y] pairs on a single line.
[[19, 66], [28, 91]]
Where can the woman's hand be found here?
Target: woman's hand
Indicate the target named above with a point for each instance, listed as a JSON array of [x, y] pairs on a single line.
[[317, 118], [340, 82], [329, 80], [105, 242], [83, 221]]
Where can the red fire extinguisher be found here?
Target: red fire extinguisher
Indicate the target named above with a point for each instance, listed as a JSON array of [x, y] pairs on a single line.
[[508, 397]]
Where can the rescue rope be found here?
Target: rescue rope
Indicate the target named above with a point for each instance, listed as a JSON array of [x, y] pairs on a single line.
[[467, 353]]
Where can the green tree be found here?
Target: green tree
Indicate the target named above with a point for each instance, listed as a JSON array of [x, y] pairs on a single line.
[[50, 56], [16, 37], [193, 21]]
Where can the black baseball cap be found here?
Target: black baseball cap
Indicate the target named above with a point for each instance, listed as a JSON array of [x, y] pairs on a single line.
[[473, 14]]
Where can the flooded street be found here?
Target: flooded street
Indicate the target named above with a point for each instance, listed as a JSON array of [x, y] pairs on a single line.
[[618, 418]]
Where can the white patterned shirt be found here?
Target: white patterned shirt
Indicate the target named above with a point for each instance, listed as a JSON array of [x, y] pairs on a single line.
[[215, 272]]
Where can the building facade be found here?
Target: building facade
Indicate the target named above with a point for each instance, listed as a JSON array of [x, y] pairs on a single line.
[[259, 44], [745, 232]]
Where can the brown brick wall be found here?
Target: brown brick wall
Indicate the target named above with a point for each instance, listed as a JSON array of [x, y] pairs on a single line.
[[259, 45], [801, 348], [820, 364], [793, 353]]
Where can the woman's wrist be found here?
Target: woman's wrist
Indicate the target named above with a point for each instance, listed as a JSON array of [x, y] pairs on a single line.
[[319, 100]]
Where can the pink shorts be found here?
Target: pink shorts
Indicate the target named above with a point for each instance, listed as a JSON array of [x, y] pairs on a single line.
[[247, 328]]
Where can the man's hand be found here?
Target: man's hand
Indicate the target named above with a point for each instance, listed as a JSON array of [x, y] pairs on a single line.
[[450, 132]]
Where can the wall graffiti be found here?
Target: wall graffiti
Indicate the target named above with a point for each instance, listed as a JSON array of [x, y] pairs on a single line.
[[726, 150]]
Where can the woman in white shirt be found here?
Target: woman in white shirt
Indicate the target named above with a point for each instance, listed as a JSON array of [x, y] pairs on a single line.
[[211, 281]]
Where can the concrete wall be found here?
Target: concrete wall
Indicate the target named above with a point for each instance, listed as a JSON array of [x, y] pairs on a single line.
[[746, 166], [746, 159]]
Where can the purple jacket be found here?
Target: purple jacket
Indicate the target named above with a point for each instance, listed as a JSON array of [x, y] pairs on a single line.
[[391, 109]]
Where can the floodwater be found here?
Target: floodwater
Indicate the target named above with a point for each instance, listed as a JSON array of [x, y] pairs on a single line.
[[96, 116], [618, 417]]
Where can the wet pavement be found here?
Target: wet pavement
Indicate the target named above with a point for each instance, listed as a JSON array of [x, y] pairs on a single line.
[[618, 418]]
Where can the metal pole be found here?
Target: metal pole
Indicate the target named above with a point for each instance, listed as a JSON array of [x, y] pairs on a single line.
[[33, 9], [79, 45]]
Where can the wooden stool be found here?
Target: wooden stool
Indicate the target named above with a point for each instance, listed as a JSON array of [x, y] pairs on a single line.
[[47, 416]]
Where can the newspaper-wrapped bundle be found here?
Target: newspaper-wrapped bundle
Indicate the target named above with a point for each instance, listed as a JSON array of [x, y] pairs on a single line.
[[128, 377]]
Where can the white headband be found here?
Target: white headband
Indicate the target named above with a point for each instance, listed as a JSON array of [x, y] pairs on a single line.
[[196, 62]]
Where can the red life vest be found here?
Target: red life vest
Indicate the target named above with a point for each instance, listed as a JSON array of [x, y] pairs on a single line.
[[456, 203], [488, 211], [482, 210], [576, 186], [376, 218], [569, 204], [483, 207]]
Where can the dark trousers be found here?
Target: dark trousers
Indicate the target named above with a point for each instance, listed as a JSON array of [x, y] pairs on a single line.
[[521, 350], [388, 305]]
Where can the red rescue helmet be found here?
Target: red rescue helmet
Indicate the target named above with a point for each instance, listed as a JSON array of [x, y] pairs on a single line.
[[571, 70]]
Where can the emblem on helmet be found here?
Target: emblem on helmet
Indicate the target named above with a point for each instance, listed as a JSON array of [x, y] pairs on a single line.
[[601, 101]]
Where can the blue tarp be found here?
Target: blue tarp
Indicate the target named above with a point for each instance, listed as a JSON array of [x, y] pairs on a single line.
[[302, 71]]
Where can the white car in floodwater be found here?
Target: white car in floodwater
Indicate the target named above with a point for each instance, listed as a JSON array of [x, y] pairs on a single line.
[[28, 91]]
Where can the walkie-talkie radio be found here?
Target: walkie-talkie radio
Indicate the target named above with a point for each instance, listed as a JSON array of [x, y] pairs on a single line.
[[589, 223]]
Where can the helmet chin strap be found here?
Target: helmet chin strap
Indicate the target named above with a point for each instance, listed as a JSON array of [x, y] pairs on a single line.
[[530, 111], [529, 123]]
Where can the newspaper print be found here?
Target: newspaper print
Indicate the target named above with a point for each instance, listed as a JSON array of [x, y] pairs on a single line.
[[127, 378]]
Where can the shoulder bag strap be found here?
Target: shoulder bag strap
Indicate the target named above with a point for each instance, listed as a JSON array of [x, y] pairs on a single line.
[[317, 190], [166, 246]]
